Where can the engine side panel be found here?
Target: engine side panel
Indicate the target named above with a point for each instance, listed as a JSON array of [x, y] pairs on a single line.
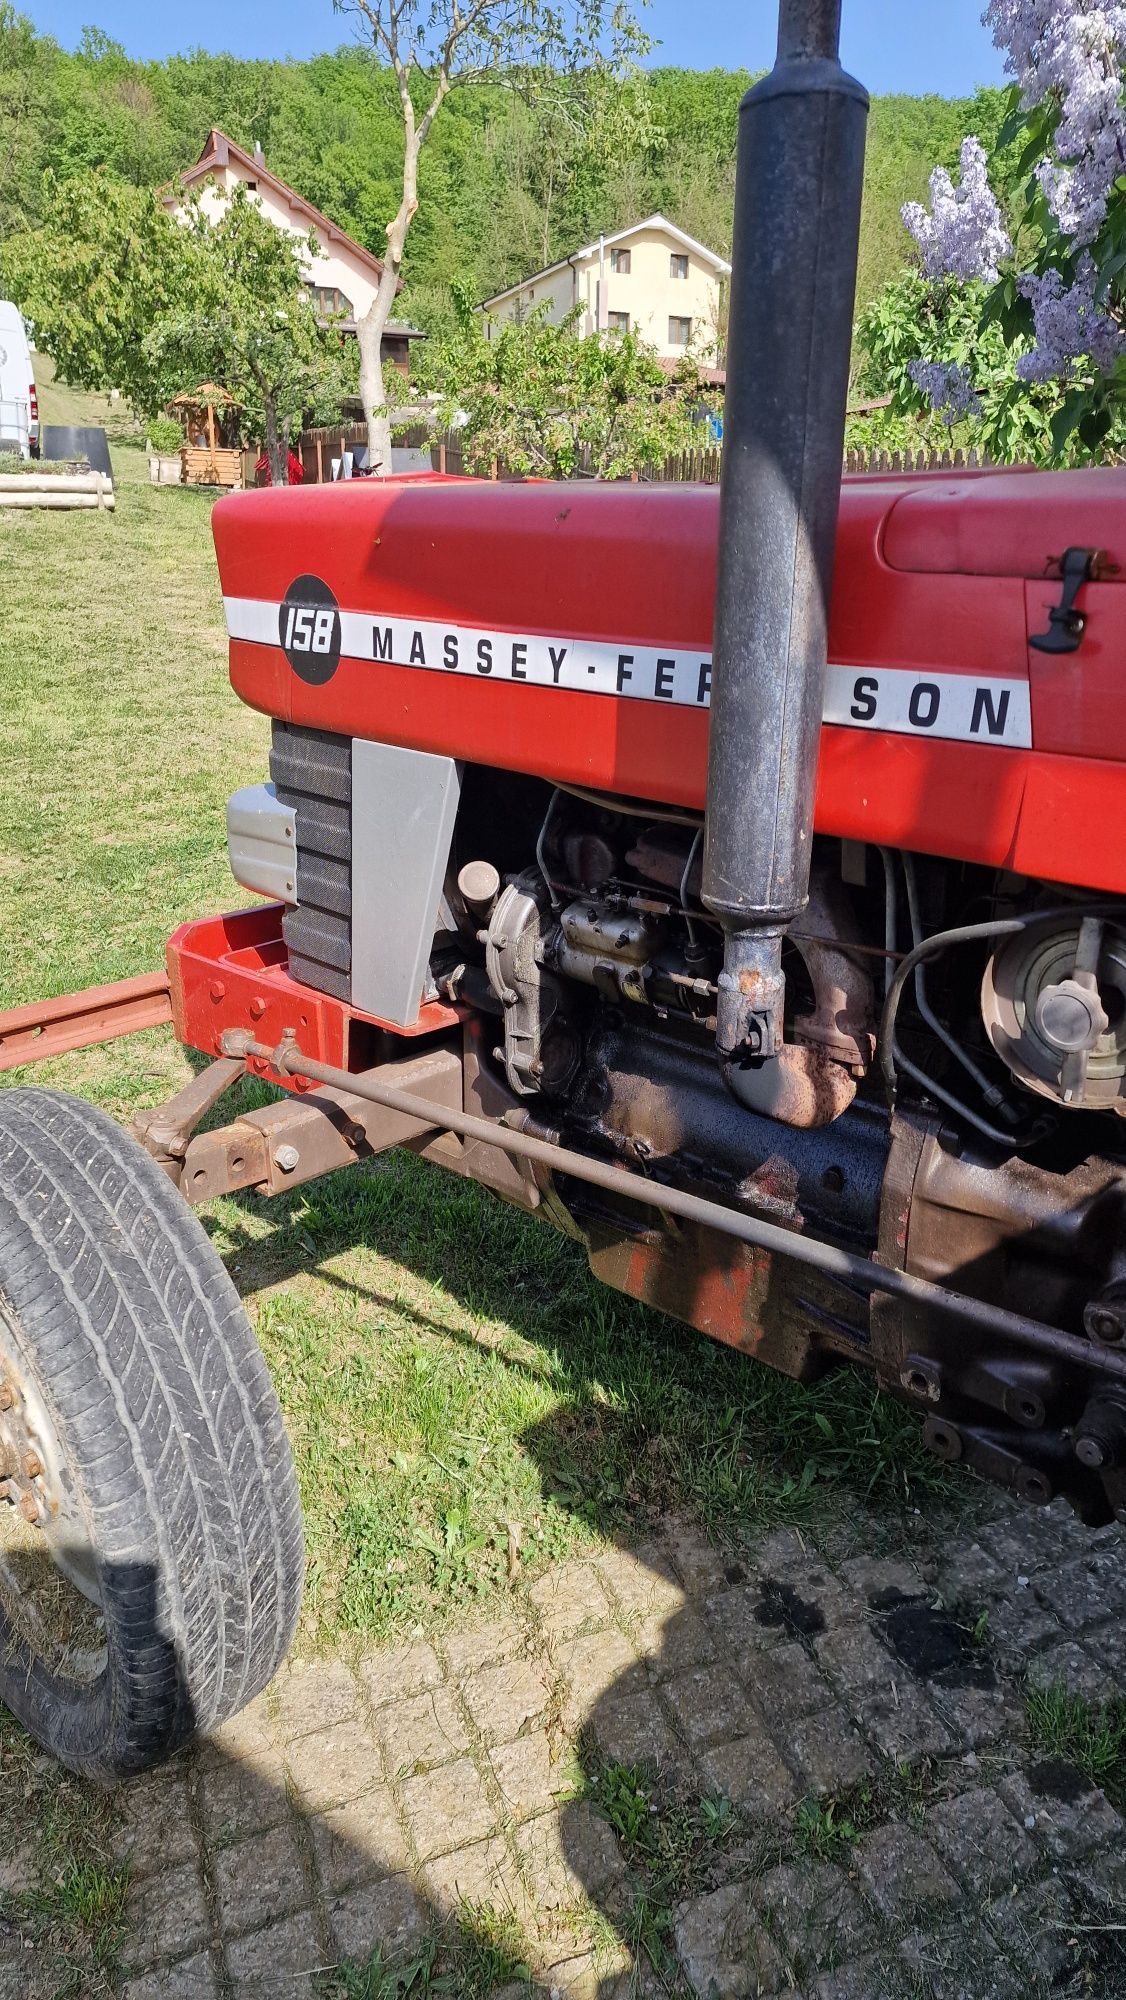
[[565, 631]]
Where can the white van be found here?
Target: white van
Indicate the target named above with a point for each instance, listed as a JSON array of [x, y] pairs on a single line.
[[19, 403]]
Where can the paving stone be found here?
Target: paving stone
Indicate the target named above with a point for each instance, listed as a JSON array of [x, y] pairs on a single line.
[[981, 1841], [1102, 1883], [724, 1947], [874, 1977], [570, 1856], [1025, 1542], [166, 1916], [961, 1964], [425, 1729], [504, 1700], [529, 1779], [752, 1775], [903, 1725], [700, 1566], [804, 1600], [882, 1580], [278, 1963], [785, 1683], [1034, 1926], [1070, 1665], [1019, 1628], [709, 1705], [596, 1664], [447, 1808], [311, 1695], [742, 1632], [396, 1671], [828, 1750], [856, 1662], [817, 1914], [670, 1645], [579, 1978], [1085, 1591], [979, 1716], [483, 1873], [968, 1574], [359, 1842], [1063, 1811], [569, 1598], [475, 1646], [903, 1874], [245, 1737], [155, 1832], [642, 1581], [333, 1767], [631, 1729], [239, 1799], [193, 1978], [259, 1880], [390, 1914]]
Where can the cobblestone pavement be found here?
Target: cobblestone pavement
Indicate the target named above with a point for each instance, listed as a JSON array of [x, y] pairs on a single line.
[[352, 1808]]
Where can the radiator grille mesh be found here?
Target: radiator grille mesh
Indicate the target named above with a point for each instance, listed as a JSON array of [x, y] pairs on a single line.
[[312, 770]]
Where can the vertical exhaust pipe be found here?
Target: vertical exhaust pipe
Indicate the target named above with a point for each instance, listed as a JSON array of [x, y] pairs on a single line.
[[799, 177]]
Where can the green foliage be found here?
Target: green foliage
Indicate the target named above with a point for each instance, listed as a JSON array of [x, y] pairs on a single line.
[[507, 181], [105, 263], [1089, 1734], [911, 320], [540, 399], [247, 322], [823, 1831], [165, 436]]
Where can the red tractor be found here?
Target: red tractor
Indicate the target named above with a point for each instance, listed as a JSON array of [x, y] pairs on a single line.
[[779, 958]]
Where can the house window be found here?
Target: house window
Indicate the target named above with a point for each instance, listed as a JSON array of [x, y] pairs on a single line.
[[680, 331], [619, 262], [329, 299], [253, 186], [618, 322], [678, 265]]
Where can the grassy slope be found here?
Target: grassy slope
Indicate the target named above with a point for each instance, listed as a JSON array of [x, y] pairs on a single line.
[[454, 1381]]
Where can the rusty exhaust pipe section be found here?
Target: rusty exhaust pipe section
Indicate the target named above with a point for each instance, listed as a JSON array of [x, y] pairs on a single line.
[[797, 226], [846, 1265]]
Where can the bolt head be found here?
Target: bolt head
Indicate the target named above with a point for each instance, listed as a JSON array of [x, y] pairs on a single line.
[[32, 1464], [286, 1158], [257, 1007], [1104, 1324], [7, 1395], [29, 1508], [1090, 1451], [217, 991]]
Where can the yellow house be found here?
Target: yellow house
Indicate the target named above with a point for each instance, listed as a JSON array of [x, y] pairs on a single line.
[[342, 276], [651, 279]]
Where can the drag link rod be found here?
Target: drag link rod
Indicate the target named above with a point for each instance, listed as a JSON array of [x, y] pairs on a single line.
[[846, 1265]]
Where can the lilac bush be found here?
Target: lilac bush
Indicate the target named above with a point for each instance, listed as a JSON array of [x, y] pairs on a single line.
[[1052, 251], [965, 235]]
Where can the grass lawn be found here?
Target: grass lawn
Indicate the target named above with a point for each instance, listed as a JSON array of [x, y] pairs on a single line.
[[463, 1400]]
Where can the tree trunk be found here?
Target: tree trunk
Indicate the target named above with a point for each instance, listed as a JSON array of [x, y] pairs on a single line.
[[369, 335], [275, 448], [369, 330]]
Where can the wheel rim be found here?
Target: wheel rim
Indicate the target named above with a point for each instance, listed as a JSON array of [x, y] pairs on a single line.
[[49, 1581]]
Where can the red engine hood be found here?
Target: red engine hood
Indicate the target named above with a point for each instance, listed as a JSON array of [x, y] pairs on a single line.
[[565, 630]]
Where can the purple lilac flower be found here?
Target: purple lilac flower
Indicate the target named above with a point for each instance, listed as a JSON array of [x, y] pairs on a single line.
[[1068, 325], [964, 236], [1071, 50], [947, 388]]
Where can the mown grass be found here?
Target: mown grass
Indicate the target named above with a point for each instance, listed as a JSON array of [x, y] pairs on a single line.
[[62, 1890], [1089, 1734], [465, 1403]]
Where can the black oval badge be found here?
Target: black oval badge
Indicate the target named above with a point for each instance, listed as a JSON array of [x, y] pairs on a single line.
[[309, 630]]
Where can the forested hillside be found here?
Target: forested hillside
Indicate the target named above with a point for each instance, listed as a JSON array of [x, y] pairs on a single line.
[[505, 185]]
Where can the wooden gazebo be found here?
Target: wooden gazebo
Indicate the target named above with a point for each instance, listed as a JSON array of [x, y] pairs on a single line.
[[206, 415]]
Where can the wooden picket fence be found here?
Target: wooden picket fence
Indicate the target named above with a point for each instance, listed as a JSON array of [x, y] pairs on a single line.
[[700, 467]]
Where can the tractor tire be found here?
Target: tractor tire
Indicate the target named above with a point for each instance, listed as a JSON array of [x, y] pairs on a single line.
[[151, 1552]]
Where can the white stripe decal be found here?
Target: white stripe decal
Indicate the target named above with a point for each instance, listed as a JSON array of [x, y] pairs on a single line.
[[962, 707]]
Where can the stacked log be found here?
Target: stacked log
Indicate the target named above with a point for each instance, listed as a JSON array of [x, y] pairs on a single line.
[[56, 489]]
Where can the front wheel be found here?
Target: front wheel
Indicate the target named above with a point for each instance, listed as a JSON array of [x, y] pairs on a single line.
[[150, 1529]]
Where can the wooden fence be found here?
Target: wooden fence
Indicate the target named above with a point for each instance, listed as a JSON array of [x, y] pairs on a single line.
[[318, 448]]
